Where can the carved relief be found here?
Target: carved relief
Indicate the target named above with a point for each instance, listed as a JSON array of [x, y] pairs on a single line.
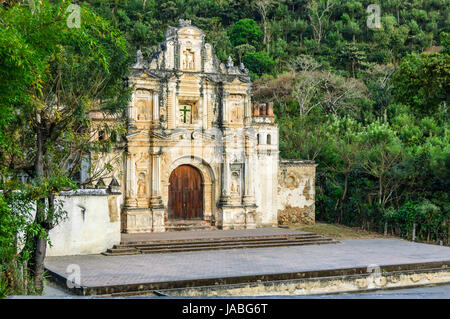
[[236, 108], [188, 59], [235, 183], [143, 105], [142, 160], [142, 185], [291, 181]]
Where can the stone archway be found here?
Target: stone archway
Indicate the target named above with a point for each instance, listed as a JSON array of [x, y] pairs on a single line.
[[208, 182], [185, 193]]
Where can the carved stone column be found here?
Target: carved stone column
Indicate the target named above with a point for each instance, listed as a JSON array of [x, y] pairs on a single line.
[[155, 108], [224, 195], [130, 193], [156, 203], [225, 119], [155, 198], [249, 195]]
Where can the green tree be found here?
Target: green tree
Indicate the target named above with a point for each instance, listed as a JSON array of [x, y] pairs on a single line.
[[63, 74], [382, 151], [345, 146], [258, 62], [423, 81], [246, 31], [242, 49]]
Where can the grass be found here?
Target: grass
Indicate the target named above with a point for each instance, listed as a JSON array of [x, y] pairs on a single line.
[[338, 232]]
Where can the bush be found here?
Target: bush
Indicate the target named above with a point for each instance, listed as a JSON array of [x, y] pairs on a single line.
[[258, 63], [246, 31]]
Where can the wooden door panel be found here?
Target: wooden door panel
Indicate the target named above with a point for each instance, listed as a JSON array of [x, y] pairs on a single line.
[[185, 193]]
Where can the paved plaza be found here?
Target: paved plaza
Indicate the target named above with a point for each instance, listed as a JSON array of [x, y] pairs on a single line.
[[99, 270]]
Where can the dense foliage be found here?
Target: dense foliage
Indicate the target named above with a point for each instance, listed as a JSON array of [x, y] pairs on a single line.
[[368, 105], [54, 73]]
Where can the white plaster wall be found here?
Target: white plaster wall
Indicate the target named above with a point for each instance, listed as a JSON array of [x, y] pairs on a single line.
[[266, 190], [266, 177], [91, 235]]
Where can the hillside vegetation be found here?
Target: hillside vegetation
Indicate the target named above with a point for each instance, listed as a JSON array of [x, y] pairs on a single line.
[[369, 105]]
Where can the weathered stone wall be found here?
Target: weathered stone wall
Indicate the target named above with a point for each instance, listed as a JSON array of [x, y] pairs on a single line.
[[92, 224], [296, 192]]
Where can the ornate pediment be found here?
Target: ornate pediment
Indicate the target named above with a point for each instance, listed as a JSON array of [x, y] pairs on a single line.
[[185, 50]]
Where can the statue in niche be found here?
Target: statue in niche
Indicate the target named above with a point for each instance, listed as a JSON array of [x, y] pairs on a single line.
[[236, 113], [188, 62], [235, 183], [142, 191], [236, 108], [142, 109]]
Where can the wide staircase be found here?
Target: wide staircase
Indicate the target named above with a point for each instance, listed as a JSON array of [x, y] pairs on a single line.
[[187, 225], [229, 242]]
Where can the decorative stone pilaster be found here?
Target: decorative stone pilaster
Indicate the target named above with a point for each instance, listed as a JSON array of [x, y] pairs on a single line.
[[155, 119], [155, 198], [156, 203], [224, 195], [130, 194], [249, 197]]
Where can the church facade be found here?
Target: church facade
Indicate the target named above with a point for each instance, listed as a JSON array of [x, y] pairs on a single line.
[[199, 149]]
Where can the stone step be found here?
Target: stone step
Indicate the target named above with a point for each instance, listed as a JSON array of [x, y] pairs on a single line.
[[188, 228], [172, 246], [220, 240], [223, 242], [187, 222], [188, 225], [237, 243], [243, 246], [121, 252]]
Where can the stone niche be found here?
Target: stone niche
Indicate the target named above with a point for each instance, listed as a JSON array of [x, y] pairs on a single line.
[[188, 111], [296, 192], [143, 105], [235, 109]]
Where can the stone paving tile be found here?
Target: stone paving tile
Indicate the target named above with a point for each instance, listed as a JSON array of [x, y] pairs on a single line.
[[99, 270], [177, 235]]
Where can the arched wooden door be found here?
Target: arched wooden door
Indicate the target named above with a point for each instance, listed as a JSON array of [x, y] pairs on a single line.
[[185, 193]]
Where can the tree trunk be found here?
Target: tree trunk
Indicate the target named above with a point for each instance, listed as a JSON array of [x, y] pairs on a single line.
[[344, 194], [38, 262], [266, 41], [39, 240]]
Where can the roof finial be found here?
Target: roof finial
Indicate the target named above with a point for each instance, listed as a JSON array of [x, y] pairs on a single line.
[[184, 23], [230, 62]]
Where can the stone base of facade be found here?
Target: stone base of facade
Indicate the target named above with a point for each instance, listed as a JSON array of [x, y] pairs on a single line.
[[143, 220], [236, 217], [296, 215]]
